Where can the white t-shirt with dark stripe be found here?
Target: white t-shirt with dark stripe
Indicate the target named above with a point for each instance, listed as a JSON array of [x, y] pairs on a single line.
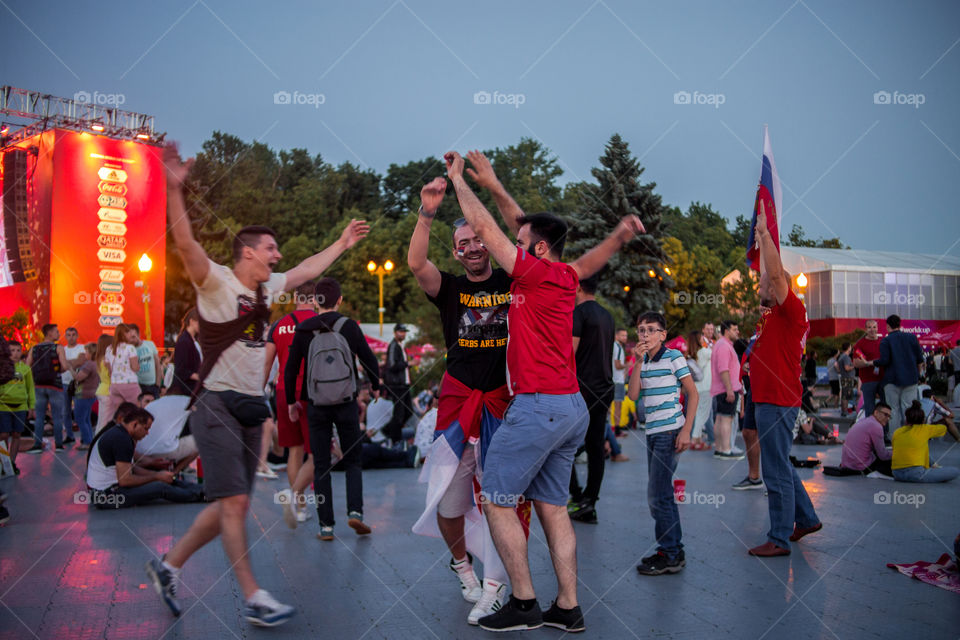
[[660, 390]]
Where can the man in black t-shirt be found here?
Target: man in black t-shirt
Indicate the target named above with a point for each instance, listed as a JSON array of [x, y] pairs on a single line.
[[116, 481], [593, 330], [473, 310]]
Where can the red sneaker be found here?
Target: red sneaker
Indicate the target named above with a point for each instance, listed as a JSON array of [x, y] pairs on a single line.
[[769, 550]]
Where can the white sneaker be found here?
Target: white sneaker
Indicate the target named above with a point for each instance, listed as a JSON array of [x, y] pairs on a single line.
[[494, 595], [263, 610], [303, 514], [267, 474], [285, 499], [470, 587]]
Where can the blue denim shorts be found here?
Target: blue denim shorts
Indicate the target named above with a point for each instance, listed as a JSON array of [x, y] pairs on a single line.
[[13, 421], [531, 454]]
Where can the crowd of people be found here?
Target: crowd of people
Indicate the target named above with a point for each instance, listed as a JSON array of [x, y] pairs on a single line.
[[537, 373]]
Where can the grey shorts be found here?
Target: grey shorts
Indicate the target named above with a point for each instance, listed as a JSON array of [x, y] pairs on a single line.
[[458, 498], [531, 454], [229, 452], [619, 392]]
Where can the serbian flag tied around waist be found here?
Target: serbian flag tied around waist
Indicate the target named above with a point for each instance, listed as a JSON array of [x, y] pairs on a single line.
[[465, 416], [771, 195]]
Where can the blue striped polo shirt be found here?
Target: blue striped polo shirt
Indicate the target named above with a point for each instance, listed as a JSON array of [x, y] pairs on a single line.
[[660, 389]]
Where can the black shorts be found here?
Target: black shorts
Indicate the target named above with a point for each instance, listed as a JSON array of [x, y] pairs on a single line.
[[725, 408], [834, 387], [749, 417]]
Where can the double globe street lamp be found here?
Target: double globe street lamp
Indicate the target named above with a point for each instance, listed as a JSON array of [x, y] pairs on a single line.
[[380, 271]]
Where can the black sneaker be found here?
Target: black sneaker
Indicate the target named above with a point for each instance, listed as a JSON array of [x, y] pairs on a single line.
[[660, 564], [511, 618], [16, 469], [165, 583], [60, 447], [34, 448], [4, 514], [585, 512], [748, 483], [569, 620]]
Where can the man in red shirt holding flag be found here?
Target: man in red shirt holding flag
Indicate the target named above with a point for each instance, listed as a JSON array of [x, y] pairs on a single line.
[[777, 391]]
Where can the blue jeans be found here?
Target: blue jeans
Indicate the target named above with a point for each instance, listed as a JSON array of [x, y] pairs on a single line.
[[869, 390], [922, 474], [661, 463], [612, 439], [82, 408], [788, 501], [124, 497], [56, 399]]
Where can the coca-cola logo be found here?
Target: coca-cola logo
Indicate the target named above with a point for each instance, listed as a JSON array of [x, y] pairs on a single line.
[[112, 188]]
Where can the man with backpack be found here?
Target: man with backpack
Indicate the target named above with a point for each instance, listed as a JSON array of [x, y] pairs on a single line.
[[47, 361], [326, 348]]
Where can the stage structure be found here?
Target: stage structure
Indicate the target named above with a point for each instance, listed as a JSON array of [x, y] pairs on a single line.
[[84, 199]]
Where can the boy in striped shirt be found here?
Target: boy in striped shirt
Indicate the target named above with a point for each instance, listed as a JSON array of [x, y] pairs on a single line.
[[657, 382]]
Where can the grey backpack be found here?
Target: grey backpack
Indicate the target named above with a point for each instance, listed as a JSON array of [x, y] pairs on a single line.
[[331, 373]]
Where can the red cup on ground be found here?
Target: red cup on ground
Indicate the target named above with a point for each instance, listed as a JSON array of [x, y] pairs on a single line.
[[679, 490]]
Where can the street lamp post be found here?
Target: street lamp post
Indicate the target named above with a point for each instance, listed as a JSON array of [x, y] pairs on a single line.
[[145, 264], [380, 271]]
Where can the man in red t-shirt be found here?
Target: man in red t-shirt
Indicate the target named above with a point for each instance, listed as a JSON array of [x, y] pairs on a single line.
[[531, 456], [865, 351], [777, 391], [293, 436]]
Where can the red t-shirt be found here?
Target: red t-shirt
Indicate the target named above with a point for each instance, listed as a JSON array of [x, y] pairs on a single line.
[[540, 322], [281, 334], [776, 360], [871, 351]]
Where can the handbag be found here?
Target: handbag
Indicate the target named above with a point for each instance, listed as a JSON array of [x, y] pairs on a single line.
[[249, 411]]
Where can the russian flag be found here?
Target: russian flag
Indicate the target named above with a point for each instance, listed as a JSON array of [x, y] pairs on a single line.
[[771, 195]]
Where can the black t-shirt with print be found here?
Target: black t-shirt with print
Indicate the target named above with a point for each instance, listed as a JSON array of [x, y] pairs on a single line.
[[595, 327], [116, 445], [474, 317]]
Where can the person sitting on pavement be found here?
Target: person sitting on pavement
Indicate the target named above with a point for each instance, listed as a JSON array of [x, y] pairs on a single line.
[[167, 443], [937, 413], [911, 450], [863, 450], [115, 481], [811, 430]]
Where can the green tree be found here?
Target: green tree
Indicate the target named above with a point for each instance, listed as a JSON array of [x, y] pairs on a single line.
[[618, 193], [797, 238]]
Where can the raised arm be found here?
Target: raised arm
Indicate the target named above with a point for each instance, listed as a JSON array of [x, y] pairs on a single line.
[[195, 259], [426, 273], [770, 264], [477, 216], [316, 264], [592, 261], [482, 172]]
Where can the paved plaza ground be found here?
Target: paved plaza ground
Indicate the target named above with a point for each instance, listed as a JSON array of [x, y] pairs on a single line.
[[67, 571]]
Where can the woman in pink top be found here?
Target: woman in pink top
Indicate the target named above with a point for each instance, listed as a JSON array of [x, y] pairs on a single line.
[[123, 365]]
